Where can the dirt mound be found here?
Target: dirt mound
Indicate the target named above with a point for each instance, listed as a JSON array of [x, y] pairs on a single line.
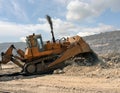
[[108, 67], [112, 57]]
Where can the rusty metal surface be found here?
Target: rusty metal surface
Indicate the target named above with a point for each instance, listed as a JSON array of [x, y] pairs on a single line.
[[78, 45]]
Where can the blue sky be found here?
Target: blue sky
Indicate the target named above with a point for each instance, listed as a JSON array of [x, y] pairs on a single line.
[[19, 18]]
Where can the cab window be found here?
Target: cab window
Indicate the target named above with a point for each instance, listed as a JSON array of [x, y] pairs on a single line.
[[40, 44]]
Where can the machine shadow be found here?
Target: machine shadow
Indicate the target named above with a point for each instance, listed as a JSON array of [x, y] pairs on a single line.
[[18, 75]]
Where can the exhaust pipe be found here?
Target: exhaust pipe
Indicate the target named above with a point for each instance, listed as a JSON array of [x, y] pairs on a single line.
[[51, 26]]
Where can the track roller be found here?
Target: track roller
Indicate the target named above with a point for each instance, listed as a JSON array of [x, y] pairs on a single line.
[[30, 68]]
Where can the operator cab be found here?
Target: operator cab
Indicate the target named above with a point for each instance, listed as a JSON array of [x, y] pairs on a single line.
[[35, 41]]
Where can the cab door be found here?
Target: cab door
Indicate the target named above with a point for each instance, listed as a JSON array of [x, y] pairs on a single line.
[[40, 43]]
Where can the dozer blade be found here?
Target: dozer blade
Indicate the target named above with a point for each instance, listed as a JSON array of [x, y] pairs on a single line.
[[80, 46]]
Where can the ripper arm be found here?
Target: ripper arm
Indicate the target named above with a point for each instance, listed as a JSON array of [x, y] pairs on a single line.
[[8, 56]]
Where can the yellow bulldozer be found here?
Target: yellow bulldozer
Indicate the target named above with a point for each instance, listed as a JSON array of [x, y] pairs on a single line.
[[44, 57]]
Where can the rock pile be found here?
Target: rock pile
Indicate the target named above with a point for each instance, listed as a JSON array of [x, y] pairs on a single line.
[[107, 67], [113, 57]]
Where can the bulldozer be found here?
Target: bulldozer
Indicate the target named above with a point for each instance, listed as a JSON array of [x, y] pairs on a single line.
[[46, 56]]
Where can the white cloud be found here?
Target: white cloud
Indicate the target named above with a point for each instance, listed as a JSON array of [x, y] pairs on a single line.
[[41, 20], [9, 29], [78, 10], [61, 29], [12, 29], [81, 10], [95, 30], [114, 5], [23, 39], [63, 2]]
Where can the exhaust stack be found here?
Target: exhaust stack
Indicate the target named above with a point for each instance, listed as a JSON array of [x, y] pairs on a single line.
[[51, 26]]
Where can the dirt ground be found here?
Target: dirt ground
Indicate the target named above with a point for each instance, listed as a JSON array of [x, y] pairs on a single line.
[[101, 78]]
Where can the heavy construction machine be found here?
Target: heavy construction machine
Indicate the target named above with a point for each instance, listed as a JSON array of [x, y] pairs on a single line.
[[44, 57]]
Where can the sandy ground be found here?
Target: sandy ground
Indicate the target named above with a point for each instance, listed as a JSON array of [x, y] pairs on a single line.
[[61, 84], [76, 79]]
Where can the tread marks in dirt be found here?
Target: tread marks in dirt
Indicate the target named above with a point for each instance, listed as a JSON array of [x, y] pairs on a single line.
[[15, 76]]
